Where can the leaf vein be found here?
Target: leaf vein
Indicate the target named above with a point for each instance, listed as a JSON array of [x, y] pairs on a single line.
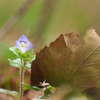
[[82, 62], [86, 76], [90, 64]]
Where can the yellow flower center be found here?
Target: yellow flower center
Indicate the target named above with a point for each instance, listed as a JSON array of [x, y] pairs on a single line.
[[22, 44]]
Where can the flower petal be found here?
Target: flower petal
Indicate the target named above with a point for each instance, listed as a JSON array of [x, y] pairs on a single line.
[[23, 49], [17, 44], [23, 38], [23, 44], [29, 45]]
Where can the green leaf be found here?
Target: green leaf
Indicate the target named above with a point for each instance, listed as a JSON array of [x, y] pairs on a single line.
[[28, 54], [29, 59], [33, 57], [26, 86], [12, 93], [15, 63], [15, 50], [47, 92], [28, 65], [50, 87]]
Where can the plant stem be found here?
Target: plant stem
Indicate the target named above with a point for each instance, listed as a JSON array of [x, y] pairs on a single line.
[[21, 76], [21, 86]]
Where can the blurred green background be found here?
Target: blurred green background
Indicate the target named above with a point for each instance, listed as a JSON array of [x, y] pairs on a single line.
[[42, 22]]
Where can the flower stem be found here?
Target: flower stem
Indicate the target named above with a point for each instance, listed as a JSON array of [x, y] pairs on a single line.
[[21, 76], [21, 86]]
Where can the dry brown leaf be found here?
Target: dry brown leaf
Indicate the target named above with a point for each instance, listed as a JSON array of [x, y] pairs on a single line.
[[70, 59]]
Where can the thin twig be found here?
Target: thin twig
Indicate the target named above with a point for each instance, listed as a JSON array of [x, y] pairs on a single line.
[[14, 19], [46, 14], [45, 17]]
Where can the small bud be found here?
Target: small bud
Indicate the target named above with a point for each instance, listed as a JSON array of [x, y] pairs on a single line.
[[24, 55]]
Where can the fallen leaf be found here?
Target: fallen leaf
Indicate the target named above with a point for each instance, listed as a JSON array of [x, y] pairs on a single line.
[[70, 59]]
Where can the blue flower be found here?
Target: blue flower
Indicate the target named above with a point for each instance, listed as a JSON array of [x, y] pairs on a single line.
[[23, 44]]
